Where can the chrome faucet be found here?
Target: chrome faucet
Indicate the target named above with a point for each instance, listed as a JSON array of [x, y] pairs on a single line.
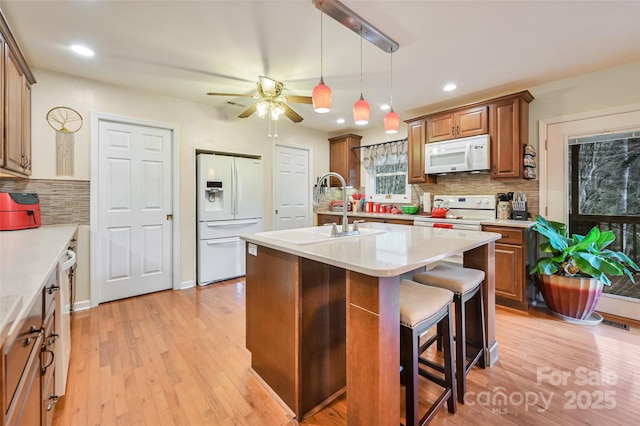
[[345, 220]]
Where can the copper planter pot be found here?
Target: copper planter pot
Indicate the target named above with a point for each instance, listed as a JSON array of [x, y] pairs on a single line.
[[572, 297]]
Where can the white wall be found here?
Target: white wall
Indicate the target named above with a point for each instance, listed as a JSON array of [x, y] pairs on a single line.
[[200, 127]]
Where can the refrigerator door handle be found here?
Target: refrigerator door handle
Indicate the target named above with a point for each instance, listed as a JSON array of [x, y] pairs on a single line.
[[239, 223], [235, 189], [223, 241]]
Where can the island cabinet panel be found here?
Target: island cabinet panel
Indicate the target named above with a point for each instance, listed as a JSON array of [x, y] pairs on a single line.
[[296, 327]]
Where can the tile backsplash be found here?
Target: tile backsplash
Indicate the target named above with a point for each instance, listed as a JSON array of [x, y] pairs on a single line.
[[481, 184], [61, 201]]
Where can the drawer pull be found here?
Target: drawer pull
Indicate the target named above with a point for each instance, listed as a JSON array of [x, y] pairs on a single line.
[[51, 339], [53, 288], [505, 236]]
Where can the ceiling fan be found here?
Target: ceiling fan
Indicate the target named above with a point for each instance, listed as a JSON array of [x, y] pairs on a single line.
[[272, 103]]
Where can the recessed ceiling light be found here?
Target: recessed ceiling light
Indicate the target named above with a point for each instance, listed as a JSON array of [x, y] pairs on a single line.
[[82, 50], [340, 121], [449, 87], [384, 107]]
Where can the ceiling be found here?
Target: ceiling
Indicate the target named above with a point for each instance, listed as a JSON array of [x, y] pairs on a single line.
[[187, 48]]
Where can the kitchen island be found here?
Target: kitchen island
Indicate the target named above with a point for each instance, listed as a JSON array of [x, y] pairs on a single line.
[[324, 314]]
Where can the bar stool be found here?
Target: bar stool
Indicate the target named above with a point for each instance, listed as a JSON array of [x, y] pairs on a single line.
[[465, 283], [422, 307]]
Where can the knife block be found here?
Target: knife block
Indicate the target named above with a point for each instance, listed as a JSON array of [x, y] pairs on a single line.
[[520, 211]]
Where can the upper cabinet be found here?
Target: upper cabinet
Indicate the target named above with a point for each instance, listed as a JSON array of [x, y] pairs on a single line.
[[458, 124], [505, 119], [15, 96], [415, 150], [344, 160], [509, 132]]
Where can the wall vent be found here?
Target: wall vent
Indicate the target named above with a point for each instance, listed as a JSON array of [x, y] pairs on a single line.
[[616, 324]]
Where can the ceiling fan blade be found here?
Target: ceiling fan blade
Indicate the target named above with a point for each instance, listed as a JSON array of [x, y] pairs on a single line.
[[299, 99], [291, 114], [236, 95], [247, 112]]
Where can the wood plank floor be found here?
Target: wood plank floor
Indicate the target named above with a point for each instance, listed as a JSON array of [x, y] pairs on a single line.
[[179, 358]]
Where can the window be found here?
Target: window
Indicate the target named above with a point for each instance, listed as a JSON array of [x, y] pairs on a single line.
[[387, 172]]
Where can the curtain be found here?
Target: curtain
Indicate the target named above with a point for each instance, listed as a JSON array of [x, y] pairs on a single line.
[[387, 154]]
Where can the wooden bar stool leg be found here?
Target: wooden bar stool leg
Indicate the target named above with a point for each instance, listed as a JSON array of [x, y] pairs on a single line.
[[409, 340], [450, 380], [461, 347]]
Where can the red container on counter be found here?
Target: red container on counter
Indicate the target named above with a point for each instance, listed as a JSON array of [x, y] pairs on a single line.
[[388, 208], [368, 207], [376, 208]]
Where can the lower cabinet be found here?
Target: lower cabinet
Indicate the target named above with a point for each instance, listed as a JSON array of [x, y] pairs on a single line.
[[512, 258], [27, 365], [323, 219]]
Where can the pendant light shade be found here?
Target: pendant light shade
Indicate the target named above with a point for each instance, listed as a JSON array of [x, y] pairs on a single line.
[[391, 122], [321, 95], [361, 111], [392, 119]]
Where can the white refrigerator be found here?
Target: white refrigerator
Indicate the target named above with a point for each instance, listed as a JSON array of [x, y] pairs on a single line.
[[229, 203]]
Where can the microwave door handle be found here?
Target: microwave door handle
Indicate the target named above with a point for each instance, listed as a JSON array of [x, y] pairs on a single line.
[[467, 156]]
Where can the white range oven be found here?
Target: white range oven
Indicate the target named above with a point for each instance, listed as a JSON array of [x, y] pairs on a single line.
[[464, 212]]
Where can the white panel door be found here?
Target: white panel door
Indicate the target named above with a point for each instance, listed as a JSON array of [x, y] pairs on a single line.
[[134, 200], [292, 188]]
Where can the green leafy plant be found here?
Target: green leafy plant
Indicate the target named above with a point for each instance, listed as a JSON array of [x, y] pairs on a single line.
[[579, 255]]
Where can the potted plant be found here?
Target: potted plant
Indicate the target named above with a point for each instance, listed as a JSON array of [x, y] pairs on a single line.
[[574, 269]]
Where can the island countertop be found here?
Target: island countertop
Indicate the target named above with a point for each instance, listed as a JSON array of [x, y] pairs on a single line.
[[392, 252], [27, 258]]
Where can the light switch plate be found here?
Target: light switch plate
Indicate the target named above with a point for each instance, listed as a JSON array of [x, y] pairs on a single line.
[[252, 249]]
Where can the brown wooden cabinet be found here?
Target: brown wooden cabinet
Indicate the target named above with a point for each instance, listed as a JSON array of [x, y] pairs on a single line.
[[458, 124], [337, 219], [511, 265], [27, 368], [415, 149], [509, 132], [344, 160], [16, 79]]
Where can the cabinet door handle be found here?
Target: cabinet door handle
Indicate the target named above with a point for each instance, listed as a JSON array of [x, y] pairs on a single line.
[[55, 399], [452, 131], [53, 357], [53, 288], [458, 130]]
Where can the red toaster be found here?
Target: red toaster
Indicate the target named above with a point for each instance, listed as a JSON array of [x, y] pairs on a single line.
[[19, 211]]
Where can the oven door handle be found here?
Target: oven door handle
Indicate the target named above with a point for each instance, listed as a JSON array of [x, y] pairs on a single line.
[[443, 225]]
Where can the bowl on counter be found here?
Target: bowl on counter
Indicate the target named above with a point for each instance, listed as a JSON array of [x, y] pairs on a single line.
[[410, 209]]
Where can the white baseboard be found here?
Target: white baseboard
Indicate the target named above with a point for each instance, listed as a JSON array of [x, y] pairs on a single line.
[[82, 306], [186, 284]]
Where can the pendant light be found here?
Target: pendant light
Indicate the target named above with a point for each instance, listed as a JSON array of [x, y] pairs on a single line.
[[392, 119], [361, 108], [321, 95]]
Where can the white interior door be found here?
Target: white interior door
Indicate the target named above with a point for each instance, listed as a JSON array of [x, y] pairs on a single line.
[[554, 179], [134, 201], [292, 188]]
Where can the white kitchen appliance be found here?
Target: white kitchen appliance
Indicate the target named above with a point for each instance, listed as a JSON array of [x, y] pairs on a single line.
[[64, 307], [457, 155], [464, 212], [229, 203]]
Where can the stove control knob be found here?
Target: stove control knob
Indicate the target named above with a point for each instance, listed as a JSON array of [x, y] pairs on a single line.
[[478, 201], [486, 201]]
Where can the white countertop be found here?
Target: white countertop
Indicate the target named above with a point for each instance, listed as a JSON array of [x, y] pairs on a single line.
[[397, 250], [27, 258], [497, 222]]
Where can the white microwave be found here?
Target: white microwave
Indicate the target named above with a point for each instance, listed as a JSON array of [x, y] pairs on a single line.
[[457, 155]]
